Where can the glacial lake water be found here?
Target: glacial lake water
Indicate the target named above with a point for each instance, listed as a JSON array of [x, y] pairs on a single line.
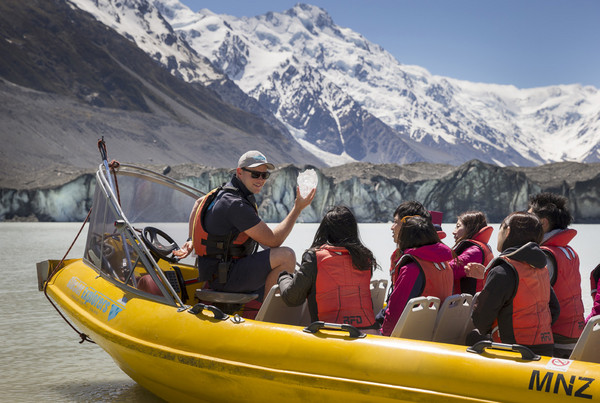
[[40, 355]]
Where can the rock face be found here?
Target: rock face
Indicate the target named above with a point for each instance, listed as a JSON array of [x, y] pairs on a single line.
[[66, 80], [372, 191]]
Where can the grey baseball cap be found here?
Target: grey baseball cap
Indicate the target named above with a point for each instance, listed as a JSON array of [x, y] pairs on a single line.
[[253, 159]]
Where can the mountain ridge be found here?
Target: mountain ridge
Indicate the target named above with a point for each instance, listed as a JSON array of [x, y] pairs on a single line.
[[189, 110], [448, 119], [66, 80]]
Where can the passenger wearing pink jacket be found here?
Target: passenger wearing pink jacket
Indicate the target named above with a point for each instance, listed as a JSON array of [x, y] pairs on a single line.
[[471, 236], [423, 269]]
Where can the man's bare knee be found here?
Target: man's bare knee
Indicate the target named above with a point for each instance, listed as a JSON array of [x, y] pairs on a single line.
[[283, 258]]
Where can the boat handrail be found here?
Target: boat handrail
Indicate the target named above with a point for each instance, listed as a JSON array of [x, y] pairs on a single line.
[[125, 224], [318, 325], [483, 345]]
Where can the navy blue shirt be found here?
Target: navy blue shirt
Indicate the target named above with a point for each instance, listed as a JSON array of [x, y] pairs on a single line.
[[230, 212]]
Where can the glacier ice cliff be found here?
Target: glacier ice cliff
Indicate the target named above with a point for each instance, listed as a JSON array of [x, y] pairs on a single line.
[[371, 191]]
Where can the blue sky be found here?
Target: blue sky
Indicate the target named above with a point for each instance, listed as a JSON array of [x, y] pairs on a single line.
[[526, 43]]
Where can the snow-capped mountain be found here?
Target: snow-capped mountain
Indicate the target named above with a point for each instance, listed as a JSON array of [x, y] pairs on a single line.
[[144, 23], [344, 98]]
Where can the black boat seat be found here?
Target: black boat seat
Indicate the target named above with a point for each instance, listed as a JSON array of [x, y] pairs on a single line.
[[224, 297]]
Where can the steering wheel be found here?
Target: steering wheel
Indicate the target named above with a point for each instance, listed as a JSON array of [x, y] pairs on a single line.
[[151, 235]]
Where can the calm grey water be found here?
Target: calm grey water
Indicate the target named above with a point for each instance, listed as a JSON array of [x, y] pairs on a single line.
[[40, 356]]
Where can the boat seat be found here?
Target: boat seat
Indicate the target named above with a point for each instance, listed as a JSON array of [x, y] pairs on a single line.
[[452, 319], [469, 326], [224, 297], [417, 319], [275, 310], [378, 289], [586, 348]]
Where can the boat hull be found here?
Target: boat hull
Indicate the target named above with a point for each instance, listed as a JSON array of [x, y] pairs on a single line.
[[181, 356]]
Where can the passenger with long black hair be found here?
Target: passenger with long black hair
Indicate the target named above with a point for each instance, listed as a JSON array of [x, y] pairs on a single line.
[[335, 274]]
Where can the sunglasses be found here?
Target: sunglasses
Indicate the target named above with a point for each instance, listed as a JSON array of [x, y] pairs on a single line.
[[256, 174]]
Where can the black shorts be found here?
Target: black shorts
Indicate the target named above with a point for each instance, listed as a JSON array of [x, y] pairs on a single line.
[[247, 274]]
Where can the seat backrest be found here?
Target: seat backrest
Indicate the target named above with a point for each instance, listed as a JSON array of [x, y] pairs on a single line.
[[274, 309], [588, 346], [417, 319], [452, 318], [469, 326], [378, 290]]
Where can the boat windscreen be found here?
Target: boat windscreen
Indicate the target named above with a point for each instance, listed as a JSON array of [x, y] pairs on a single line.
[[148, 201], [113, 245]]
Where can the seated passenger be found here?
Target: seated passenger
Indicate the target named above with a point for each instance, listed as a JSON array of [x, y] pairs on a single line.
[[226, 231], [405, 209], [335, 274], [471, 236], [423, 269], [563, 266], [517, 304]]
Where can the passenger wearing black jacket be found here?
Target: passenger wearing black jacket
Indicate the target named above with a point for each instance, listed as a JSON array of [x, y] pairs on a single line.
[[517, 304]]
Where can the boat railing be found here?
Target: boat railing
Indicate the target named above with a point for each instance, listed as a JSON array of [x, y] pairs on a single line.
[[149, 175]]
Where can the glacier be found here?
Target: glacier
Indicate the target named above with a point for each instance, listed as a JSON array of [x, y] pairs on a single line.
[[372, 191]]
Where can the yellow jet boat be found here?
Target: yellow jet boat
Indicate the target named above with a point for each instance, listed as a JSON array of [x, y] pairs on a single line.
[[143, 307]]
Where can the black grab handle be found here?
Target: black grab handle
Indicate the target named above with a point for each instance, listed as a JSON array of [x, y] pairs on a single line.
[[219, 314], [316, 326], [526, 353]]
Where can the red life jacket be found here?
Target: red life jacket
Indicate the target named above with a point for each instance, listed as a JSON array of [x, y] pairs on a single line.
[[343, 293], [531, 317], [439, 278], [567, 285], [232, 245], [393, 265], [480, 239]]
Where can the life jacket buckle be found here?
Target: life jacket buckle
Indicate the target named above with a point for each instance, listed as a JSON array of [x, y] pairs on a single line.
[[222, 271]]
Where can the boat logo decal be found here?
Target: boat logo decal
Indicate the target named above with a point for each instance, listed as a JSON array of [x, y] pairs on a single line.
[[352, 320], [560, 384], [98, 302]]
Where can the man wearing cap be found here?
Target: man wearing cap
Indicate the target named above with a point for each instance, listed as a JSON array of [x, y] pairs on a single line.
[[232, 216]]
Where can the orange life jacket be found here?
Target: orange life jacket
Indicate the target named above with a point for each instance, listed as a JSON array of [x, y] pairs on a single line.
[[439, 278], [567, 287], [531, 317], [343, 292], [228, 246]]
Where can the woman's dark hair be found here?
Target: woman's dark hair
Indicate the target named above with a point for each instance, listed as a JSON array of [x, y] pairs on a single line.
[[411, 207], [416, 231], [473, 222], [339, 228], [524, 227], [552, 207]]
